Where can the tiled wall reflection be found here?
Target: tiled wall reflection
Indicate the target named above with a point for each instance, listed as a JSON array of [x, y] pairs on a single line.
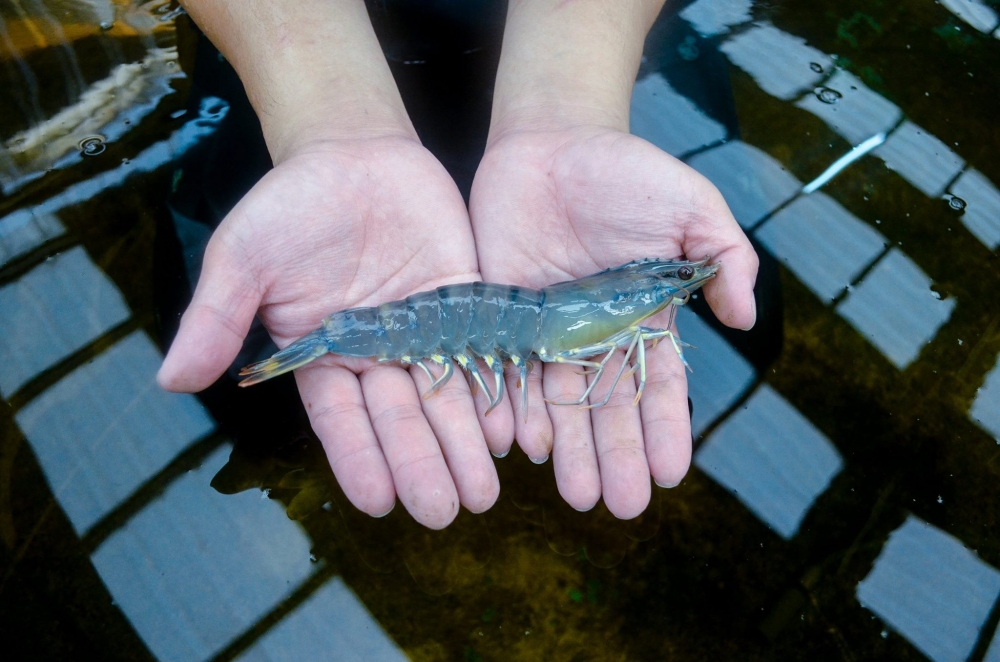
[[925, 584], [192, 570]]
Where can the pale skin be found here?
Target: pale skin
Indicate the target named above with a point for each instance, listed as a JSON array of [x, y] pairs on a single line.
[[357, 212]]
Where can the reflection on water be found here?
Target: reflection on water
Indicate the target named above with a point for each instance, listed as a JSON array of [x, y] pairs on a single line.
[[931, 589], [847, 450], [753, 183], [97, 110], [772, 459], [896, 309]]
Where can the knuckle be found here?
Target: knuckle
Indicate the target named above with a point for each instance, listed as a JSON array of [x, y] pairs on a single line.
[[404, 416]]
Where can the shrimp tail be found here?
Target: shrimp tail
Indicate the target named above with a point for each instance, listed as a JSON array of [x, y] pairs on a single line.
[[307, 348]]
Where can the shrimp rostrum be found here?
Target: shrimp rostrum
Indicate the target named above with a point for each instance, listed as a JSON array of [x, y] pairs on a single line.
[[580, 322]]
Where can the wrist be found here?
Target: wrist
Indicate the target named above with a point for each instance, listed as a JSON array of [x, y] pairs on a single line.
[[566, 65], [312, 69]]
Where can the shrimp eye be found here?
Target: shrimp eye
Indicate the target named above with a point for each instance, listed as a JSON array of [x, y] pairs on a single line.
[[685, 273]]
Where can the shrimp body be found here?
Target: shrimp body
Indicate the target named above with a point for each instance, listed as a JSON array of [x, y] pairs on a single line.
[[569, 322]]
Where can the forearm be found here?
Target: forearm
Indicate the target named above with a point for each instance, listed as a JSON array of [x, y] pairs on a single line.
[[568, 62], [312, 69]]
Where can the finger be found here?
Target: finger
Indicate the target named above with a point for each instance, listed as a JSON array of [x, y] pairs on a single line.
[[715, 233], [730, 293], [452, 416], [423, 482], [619, 444], [214, 325], [498, 427], [336, 408], [666, 422], [533, 435], [573, 455]]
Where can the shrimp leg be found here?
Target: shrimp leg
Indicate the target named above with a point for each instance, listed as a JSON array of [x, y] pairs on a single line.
[[469, 365], [598, 372], [494, 363], [636, 340], [438, 383], [523, 367], [640, 358]]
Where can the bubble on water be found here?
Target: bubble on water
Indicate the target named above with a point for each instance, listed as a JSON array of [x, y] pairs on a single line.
[[956, 203], [92, 145], [688, 49], [816, 66], [827, 95], [106, 25], [885, 634]]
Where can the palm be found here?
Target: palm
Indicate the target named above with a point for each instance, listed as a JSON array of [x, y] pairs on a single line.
[[339, 225], [548, 206], [332, 229]]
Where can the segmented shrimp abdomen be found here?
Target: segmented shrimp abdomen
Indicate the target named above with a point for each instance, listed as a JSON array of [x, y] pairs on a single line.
[[425, 338], [395, 331], [352, 332], [489, 307], [456, 316], [518, 332]]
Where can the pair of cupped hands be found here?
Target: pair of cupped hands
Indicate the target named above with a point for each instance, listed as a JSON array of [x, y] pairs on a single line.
[[360, 222], [346, 221]]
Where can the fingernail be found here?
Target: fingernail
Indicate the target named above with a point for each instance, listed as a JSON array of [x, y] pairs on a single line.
[[584, 510], [386, 512], [541, 461], [500, 456], [753, 307], [666, 485]]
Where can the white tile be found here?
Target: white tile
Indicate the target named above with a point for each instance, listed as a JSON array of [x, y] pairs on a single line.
[[858, 114], [985, 409], [920, 158], [931, 590], [822, 243], [106, 428], [720, 373], [752, 182], [669, 120], [24, 230], [712, 17], [973, 12], [982, 206], [993, 653], [52, 311], [778, 61], [772, 458], [195, 568], [895, 308], [331, 625]]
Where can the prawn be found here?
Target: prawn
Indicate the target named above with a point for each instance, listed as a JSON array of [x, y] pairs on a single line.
[[570, 322]]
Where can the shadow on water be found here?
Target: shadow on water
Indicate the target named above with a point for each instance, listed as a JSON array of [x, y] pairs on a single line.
[[843, 499]]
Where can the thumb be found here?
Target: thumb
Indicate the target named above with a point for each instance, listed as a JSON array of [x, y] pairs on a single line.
[[214, 325], [716, 233]]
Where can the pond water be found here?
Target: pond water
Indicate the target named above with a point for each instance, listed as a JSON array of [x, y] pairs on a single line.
[[844, 497]]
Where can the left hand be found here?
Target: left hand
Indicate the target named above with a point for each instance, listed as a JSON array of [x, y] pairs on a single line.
[[552, 204]]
